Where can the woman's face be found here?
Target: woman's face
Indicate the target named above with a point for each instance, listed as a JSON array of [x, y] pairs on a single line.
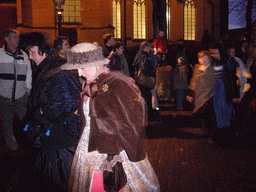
[[65, 45], [35, 56], [147, 49], [205, 60], [89, 73]]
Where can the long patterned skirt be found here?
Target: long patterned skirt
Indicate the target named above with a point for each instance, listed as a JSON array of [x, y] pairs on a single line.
[[140, 175]]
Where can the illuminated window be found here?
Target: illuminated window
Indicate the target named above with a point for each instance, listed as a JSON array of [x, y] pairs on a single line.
[[189, 20], [168, 18], [117, 18], [139, 19], [72, 11]]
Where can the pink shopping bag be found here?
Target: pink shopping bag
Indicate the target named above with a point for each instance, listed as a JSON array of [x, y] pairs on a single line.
[[97, 182]]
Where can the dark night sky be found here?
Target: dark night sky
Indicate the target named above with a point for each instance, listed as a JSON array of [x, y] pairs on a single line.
[[233, 20]]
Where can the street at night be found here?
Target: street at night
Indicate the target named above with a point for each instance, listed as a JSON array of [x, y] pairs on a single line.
[[182, 160]]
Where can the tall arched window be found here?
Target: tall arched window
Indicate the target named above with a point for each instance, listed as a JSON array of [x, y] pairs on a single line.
[[117, 18], [189, 20], [168, 18], [139, 19], [71, 11]]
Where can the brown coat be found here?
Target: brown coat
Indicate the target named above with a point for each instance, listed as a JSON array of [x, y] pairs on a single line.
[[118, 117]]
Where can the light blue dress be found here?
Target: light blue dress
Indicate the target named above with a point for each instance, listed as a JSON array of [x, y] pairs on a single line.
[[224, 110]]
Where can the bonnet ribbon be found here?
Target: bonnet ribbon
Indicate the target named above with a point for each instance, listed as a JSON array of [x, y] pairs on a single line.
[[88, 90]]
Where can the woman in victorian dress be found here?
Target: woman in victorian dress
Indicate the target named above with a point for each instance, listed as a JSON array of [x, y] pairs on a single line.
[[115, 119]]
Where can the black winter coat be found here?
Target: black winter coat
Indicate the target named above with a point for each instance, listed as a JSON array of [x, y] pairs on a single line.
[[53, 100], [229, 77], [142, 60]]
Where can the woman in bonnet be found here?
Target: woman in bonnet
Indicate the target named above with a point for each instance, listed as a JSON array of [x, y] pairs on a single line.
[[112, 142]]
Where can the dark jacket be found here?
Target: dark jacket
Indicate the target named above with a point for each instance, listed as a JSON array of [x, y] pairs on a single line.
[[142, 60], [180, 76], [53, 100], [115, 62], [106, 50], [229, 77], [118, 62]]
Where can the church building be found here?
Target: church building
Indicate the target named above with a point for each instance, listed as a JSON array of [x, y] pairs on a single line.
[[131, 21]]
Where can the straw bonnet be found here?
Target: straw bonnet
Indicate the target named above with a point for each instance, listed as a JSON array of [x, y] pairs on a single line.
[[84, 55]]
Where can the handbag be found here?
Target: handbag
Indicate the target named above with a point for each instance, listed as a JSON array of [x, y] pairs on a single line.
[[114, 177], [145, 80]]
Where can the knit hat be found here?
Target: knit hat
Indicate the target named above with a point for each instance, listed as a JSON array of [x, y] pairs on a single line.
[[84, 55]]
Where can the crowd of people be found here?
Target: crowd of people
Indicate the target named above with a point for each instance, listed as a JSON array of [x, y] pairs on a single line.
[[221, 91], [79, 131], [86, 116]]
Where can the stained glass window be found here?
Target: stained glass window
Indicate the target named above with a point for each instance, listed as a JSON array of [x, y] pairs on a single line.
[[139, 19], [189, 20], [72, 11], [117, 18], [168, 18]]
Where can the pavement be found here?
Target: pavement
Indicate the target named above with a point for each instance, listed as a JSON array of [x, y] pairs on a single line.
[[168, 122]]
